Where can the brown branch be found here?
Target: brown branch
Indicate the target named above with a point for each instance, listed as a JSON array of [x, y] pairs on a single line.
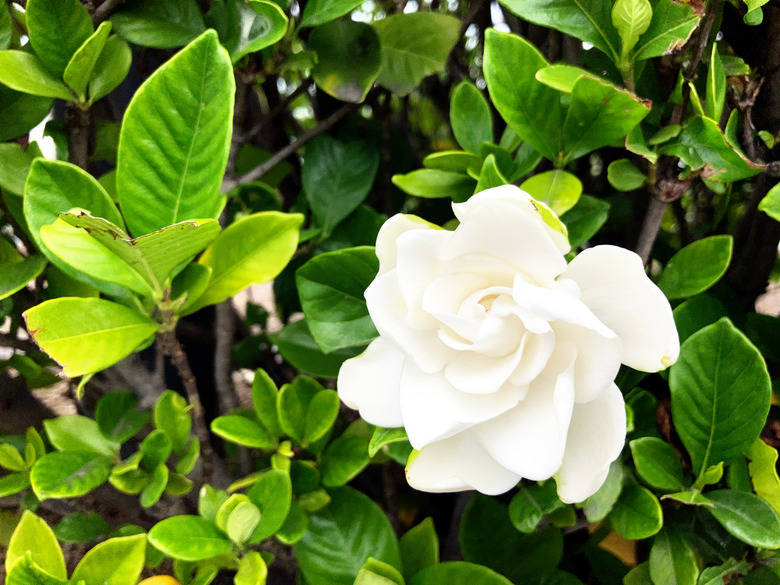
[[103, 11], [277, 158], [78, 122], [223, 356]]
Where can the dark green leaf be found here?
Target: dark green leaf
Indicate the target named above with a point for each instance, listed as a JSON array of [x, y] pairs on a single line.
[[672, 561], [155, 449], [20, 112], [531, 503], [80, 527], [171, 415], [696, 267], [490, 176], [264, 397], [419, 548], [670, 28], [298, 347], [584, 220], [658, 464], [293, 405], [255, 25], [470, 117], [458, 573], [696, 313], [118, 417], [15, 165], [637, 513], [343, 459], [55, 45], [160, 25], [746, 516], [321, 11], [597, 506], [14, 276]]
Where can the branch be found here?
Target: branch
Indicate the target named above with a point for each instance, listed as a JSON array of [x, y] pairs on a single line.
[[78, 122], [103, 11], [223, 356], [277, 158]]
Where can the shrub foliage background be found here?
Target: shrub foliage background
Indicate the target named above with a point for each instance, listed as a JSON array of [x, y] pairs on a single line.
[[205, 146]]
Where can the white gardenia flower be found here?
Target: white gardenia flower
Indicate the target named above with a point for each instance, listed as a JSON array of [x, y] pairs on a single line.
[[497, 357]]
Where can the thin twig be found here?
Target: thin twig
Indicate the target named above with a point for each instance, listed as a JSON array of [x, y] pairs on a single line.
[[79, 122], [278, 157], [223, 356], [103, 11]]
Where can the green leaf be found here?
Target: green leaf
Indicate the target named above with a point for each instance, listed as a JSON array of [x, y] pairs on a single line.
[[671, 26], [584, 220], [337, 177], [376, 572], [20, 112], [209, 502], [252, 250], [26, 572], [720, 394], [588, 20], [252, 570], [242, 431], [672, 561], [331, 288], [472, 123], [383, 437], [456, 161], [702, 145], [321, 414], [160, 25], [118, 417], [531, 503], [560, 76], [13, 483], [87, 335], [242, 521], [746, 516], [321, 11], [294, 527], [10, 458], [33, 536], [80, 527], [117, 561], [631, 18], [14, 276], [716, 86], [24, 72], [762, 465], [80, 67], [342, 537], [597, 506], [414, 46], [490, 175], [696, 313], [155, 449], [255, 25], [419, 548], [171, 415], [599, 115], [637, 513], [344, 458], [658, 464], [189, 538], [349, 59], [78, 433], [458, 573], [55, 45], [68, 474], [716, 575], [770, 204], [298, 347], [433, 184], [264, 397], [559, 190], [6, 28], [15, 165], [111, 68], [696, 267], [272, 494], [624, 176], [293, 405], [175, 138]]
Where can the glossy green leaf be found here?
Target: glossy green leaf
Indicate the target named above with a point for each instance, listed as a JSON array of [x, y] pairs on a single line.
[[419, 548], [383, 437], [24, 72], [75, 432], [414, 46], [376, 572], [560, 76], [720, 394], [15, 165], [175, 138], [160, 25], [321, 11], [68, 474], [55, 45], [32, 535], [763, 471], [242, 431], [80, 67], [296, 345], [770, 204], [118, 417], [458, 573], [696, 267], [111, 68], [344, 458], [256, 24], [293, 404], [637, 513], [696, 313], [599, 115], [510, 69], [155, 449], [188, 457], [457, 161], [171, 415], [585, 219], [433, 184], [189, 538], [6, 28], [209, 502], [264, 397], [322, 413], [242, 521], [746, 516], [252, 570], [716, 575], [349, 59], [716, 86], [294, 527], [331, 288], [337, 177], [597, 506], [116, 561], [342, 537], [252, 250], [26, 572], [559, 190], [490, 176], [631, 18], [658, 464], [671, 26], [15, 275], [10, 458], [13, 483], [531, 503], [472, 123], [87, 335], [80, 527], [672, 561], [272, 494], [20, 112], [624, 176]]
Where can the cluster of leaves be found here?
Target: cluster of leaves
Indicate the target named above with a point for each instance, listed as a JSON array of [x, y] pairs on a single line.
[[104, 264]]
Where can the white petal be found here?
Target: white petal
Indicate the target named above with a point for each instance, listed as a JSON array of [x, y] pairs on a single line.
[[530, 438], [598, 359], [511, 235], [388, 235], [514, 196], [433, 409], [596, 437], [371, 382], [615, 287], [457, 464]]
